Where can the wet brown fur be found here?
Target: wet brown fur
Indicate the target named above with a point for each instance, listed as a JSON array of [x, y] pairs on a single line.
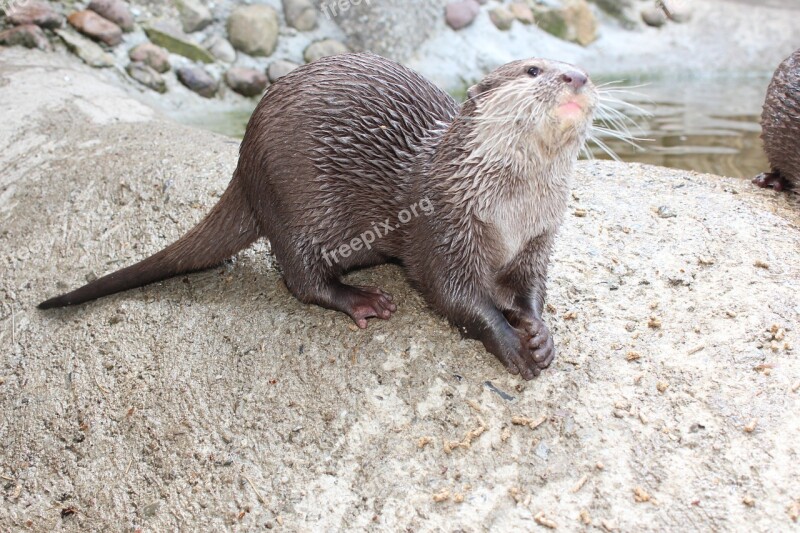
[[780, 127], [350, 141]]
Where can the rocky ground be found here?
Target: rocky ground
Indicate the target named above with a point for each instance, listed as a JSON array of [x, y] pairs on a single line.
[[217, 401], [229, 51]]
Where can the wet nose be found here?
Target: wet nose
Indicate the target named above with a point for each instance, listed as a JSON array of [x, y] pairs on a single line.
[[575, 79]]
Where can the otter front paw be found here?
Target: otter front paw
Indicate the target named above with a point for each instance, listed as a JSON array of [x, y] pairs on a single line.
[[536, 346]]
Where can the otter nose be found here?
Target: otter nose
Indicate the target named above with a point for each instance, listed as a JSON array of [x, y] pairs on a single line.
[[575, 78]]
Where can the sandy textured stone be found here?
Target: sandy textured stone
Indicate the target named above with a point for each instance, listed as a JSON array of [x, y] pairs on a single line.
[[187, 403]]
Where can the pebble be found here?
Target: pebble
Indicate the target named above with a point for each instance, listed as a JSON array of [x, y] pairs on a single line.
[[254, 29], [280, 68], [154, 56], [198, 80], [221, 48], [27, 35], [116, 11], [147, 76], [654, 16], [93, 25], [459, 15], [89, 51], [522, 12], [300, 14], [194, 15], [34, 12], [246, 81], [320, 49], [502, 18]]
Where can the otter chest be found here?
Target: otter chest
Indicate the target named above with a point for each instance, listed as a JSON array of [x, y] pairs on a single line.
[[533, 210]]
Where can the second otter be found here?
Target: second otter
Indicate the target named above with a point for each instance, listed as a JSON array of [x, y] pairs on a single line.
[[780, 127], [345, 145]]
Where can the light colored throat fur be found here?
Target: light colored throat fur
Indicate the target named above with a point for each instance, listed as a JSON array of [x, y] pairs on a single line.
[[530, 200]]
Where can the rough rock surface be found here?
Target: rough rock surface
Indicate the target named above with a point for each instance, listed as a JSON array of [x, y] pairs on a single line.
[[87, 50], [27, 35], [34, 12], [392, 28], [218, 401]]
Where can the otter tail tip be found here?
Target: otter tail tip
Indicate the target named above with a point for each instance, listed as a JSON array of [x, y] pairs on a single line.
[[52, 303]]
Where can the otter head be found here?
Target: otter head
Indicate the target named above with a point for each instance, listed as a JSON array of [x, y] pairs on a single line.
[[544, 104]]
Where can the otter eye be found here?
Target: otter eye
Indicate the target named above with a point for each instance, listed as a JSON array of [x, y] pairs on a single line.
[[534, 71]]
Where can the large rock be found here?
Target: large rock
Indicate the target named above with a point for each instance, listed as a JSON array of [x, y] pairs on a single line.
[[154, 56], [218, 393], [194, 15], [27, 35], [198, 80], [324, 48], [116, 11], [391, 28], [246, 81], [98, 28], [254, 29], [89, 51], [34, 12], [300, 14], [177, 43], [147, 76]]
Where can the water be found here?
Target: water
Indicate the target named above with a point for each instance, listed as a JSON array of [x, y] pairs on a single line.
[[707, 125]]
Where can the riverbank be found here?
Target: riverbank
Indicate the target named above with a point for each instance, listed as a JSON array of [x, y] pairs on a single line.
[[217, 400]]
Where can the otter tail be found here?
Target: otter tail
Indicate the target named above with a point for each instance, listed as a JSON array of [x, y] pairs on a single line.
[[229, 227]]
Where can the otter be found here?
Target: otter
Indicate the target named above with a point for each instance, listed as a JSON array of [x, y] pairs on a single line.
[[354, 160], [780, 127]]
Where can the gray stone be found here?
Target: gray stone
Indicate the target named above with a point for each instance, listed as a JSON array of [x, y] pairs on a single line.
[[300, 14], [194, 15], [677, 10], [116, 11], [320, 49], [198, 80], [221, 48], [461, 14], [34, 12], [392, 28], [654, 16], [147, 76], [280, 68], [522, 12], [89, 51], [177, 43], [502, 18], [573, 22], [246, 81], [154, 56], [98, 28], [254, 29], [28, 35]]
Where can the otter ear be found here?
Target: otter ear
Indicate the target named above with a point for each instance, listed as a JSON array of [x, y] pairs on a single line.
[[473, 91]]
